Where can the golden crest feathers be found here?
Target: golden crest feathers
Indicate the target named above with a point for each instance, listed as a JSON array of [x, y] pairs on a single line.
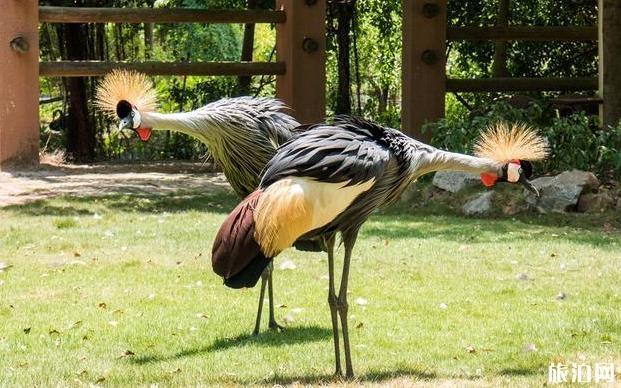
[[504, 142], [125, 85]]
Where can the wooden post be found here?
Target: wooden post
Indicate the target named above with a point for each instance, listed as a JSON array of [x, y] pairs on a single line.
[[609, 27], [424, 65], [301, 44], [19, 83]]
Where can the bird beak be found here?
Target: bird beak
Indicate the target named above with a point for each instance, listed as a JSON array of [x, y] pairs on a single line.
[[126, 123], [529, 186]]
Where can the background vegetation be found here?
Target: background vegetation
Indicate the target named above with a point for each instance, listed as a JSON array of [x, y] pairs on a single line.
[[364, 61]]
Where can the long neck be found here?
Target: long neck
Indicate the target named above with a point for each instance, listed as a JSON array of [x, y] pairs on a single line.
[[180, 122], [433, 159]]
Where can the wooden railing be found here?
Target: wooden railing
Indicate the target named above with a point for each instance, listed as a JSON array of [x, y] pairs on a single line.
[[98, 68], [424, 80], [299, 66], [300, 39], [153, 15], [522, 33], [156, 15]]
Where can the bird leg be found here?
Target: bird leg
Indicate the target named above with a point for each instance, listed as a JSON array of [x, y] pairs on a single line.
[[264, 277], [270, 295], [342, 306], [332, 302], [266, 280]]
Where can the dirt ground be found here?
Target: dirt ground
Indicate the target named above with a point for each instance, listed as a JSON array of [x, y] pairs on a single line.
[[18, 187]]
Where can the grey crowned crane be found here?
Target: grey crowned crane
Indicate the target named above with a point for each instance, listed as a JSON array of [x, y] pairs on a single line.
[[241, 133], [330, 179]]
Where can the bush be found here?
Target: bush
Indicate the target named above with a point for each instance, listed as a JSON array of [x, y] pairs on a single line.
[[575, 141]]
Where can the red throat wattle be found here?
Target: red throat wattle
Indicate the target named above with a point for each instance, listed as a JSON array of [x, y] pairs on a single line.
[[144, 133], [489, 179]]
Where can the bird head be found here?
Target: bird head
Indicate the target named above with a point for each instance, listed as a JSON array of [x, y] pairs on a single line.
[[126, 95], [516, 146], [130, 118]]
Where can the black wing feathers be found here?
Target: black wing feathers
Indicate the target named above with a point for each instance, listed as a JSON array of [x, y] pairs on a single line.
[[351, 150]]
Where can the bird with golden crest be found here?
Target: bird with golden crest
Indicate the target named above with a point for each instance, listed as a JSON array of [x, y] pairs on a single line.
[[331, 178], [241, 133]]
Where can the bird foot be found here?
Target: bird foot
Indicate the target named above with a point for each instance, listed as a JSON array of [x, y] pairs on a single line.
[[273, 325], [338, 374]]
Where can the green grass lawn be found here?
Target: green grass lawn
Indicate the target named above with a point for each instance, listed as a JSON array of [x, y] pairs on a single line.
[[119, 291]]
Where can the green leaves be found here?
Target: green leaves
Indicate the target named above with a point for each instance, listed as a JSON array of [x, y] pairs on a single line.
[[576, 142]]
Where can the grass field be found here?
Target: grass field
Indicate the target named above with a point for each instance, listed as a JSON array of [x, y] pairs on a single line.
[[119, 290]]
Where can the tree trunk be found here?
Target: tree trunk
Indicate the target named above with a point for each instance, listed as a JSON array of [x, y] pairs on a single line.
[[247, 50], [118, 38], [499, 64], [100, 42], [148, 40], [80, 132], [343, 12]]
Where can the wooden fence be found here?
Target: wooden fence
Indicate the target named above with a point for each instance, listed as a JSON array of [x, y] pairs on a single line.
[[299, 68], [150, 15], [300, 65], [425, 36]]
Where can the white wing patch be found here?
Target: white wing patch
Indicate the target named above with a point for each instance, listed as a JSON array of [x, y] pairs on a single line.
[[294, 206]]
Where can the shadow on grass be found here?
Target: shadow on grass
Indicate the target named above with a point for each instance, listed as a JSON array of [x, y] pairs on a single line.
[[372, 376], [217, 201], [289, 336], [513, 372], [398, 223]]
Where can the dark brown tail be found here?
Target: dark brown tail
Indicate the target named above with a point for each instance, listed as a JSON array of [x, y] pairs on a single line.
[[235, 255]]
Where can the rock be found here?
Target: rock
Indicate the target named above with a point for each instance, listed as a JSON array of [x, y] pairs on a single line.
[[482, 204], [595, 203], [4, 266], [455, 181], [522, 276], [513, 207], [418, 196], [562, 192], [587, 180], [410, 194]]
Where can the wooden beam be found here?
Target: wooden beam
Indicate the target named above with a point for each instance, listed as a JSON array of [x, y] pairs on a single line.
[[301, 44], [98, 68], [19, 105], [521, 84], [609, 62], [156, 15], [424, 65], [523, 33]]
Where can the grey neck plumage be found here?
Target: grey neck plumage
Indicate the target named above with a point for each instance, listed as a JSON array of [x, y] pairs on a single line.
[[424, 159]]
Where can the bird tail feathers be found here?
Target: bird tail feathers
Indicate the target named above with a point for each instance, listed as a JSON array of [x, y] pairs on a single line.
[[236, 256]]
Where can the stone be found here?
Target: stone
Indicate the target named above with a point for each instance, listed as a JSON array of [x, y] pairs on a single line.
[[455, 181], [587, 180], [513, 207], [595, 203], [482, 204], [561, 193], [410, 194], [522, 276]]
